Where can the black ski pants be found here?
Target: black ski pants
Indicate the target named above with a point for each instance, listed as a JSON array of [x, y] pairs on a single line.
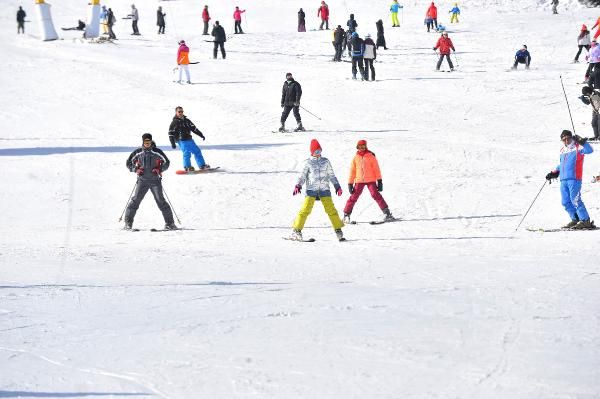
[[439, 63], [205, 28], [581, 47], [326, 22], [429, 26], [216, 48], [524, 60], [135, 27], [161, 29], [358, 61], [369, 66], [286, 112], [142, 187], [111, 34], [596, 124], [338, 51], [20, 27], [238, 27]]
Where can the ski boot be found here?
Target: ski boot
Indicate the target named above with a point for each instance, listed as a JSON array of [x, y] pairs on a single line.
[[340, 235], [354, 77], [128, 226], [571, 224], [282, 128], [205, 166], [299, 128], [189, 169], [171, 226], [387, 215], [584, 225], [346, 218], [296, 235]]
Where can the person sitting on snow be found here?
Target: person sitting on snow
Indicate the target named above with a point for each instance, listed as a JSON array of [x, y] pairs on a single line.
[[522, 57]]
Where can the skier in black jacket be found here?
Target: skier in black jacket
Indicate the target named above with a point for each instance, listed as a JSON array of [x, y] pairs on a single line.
[[21, 20], [358, 52], [352, 24], [148, 162], [380, 36], [290, 99], [180, 131], [339, 36], [160, 20], [301, 21], [220, 38]]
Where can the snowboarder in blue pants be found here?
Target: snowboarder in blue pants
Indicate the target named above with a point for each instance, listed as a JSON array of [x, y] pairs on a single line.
[[180, 132]]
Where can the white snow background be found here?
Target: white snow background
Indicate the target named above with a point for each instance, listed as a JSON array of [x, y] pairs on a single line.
[[451, 302]]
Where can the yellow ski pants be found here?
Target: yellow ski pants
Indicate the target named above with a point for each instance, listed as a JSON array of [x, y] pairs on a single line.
[[454, 18], [306, 209], [395, 19]]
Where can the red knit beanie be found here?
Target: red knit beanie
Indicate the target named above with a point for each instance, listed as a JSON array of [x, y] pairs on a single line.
[[361, 142], [583, 27], [314, 146]]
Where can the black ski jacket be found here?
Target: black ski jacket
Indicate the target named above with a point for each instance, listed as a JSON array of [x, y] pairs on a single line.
[[21, 16], [160, 18], [182, 129], [352, 24], [219, 34], [338, 36], [291, 93], [146, 159]]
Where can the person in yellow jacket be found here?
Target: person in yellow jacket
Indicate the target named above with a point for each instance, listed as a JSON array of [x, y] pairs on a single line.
[[317, 174], [365, 172]]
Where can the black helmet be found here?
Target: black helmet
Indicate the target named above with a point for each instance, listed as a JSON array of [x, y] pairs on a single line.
[[566, 133], [586, 90]]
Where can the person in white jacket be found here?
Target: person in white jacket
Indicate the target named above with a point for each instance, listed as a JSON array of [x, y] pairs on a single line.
[[593, 59], [583, 41], [369, 56], [317, 174]]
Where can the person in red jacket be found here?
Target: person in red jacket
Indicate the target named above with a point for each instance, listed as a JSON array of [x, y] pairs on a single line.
[[324, 13], [365, 172], [432, 12], [445, 45], [205, 19]]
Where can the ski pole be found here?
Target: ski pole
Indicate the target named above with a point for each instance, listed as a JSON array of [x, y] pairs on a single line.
[[528, 209], [456, 58], [311, 113], [170, 204], [568, 107], [122, 213]]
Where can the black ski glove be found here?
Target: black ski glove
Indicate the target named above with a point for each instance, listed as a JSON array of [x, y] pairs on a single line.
[[351, 188], [173, 146], [201, 135], [552, 175], [585, 100], [580, 140], [379, 185]]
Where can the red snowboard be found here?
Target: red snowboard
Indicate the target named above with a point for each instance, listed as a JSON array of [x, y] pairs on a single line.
[[197, 171]]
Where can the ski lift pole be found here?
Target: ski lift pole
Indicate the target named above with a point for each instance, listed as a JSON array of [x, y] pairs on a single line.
[[124, 209], [567, 100], [528, 209], [311, 113]]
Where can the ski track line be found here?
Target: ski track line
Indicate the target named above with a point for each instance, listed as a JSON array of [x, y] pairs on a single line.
[[125, 377]]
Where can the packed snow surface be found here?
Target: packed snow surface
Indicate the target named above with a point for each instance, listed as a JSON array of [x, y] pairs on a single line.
[[450, 302]]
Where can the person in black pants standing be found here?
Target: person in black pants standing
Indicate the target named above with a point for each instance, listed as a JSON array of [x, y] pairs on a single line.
[[339, 37], [290, 100], [21, 20], [160, 20], [220, 38]]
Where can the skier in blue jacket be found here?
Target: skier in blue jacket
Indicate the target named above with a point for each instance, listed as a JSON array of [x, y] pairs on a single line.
[[455, 11], [570, 170]]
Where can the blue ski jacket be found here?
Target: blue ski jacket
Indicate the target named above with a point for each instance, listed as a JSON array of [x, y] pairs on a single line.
[[571, 161]]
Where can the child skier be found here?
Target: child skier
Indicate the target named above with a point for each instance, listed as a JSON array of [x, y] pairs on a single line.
[[365, 172], [148, 162], [455, 11], [445, 45], [583, 41], [317, 173], [570, 170], [180, 132]]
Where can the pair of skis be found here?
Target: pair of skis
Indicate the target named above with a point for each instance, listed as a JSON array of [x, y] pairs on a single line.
[[373, 222]]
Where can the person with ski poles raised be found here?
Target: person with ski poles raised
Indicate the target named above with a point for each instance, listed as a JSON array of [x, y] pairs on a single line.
[[445, 44], [317, 173], [365, 172], [180, 132], [394, 8], [148, 162], [570, 171], [455, 11]]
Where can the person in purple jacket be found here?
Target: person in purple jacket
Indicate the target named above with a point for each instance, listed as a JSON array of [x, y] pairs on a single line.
[[570, 170]]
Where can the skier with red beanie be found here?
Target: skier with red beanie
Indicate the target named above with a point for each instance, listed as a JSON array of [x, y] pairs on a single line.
[[365, 172], [317, 174]]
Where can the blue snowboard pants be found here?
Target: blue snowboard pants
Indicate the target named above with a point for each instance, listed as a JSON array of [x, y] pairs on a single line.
[[570, 191], [189, 147]]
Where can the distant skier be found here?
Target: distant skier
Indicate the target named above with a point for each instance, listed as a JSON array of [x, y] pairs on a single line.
[[317, 174], [21, 20], [370, 55], [237, 17], [522, 57], [80, 26], [205, 19], [593, 59], [301, 21], [380, 36], [148, 162], [220, 38], [445, 44], [554, 6], [428, 21], [290, 100], [358, 52], [394, 8], [339, 37], [570, 170], [180, 132], [348, 42], [110, 21], [432, 12], [365, 172], [583, 41], [104, 20], [160, 20], [134, 19], [352, 24], [183, 61], [455, 11], [591, 97], [323, 12]]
